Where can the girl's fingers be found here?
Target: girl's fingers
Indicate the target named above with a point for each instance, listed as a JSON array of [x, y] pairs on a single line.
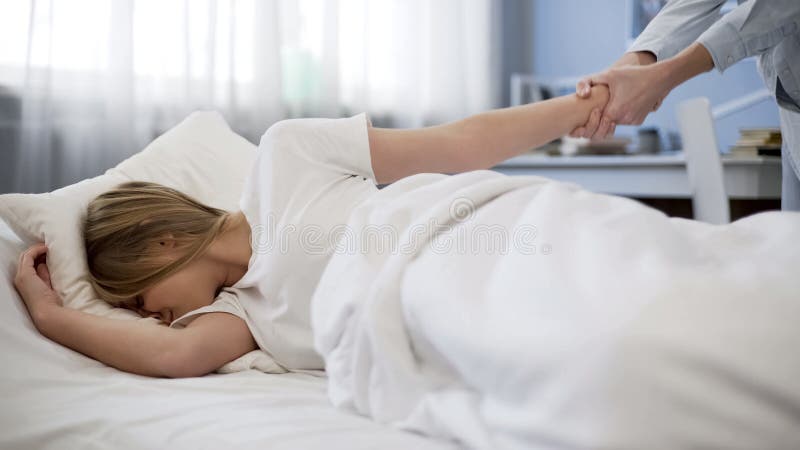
[[602, 130], [44, 274], [19, 262], [593, 123], [38, 248], [577, 132], [28, 256]]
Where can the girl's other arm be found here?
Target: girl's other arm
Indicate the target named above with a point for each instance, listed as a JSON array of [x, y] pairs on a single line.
[[479, 141], [141, 347], [146, 348]]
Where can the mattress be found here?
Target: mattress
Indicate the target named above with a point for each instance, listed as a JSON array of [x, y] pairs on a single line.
[[53, 397]]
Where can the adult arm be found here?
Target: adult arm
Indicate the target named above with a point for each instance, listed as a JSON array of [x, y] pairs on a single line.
[[749, 29], [479, 141], [677, 25], [136, 346], [752, 28], [636, 91]]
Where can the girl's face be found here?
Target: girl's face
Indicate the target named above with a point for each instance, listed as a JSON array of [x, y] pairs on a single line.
[[189, 288]]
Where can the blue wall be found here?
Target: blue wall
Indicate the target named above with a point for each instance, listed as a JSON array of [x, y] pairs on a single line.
[[577, 37]]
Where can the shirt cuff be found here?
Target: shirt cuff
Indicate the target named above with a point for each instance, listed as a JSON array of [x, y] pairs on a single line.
[[646, 46], [724, 44]]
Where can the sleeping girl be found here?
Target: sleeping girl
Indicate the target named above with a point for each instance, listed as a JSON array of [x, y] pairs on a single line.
[[165, 255]]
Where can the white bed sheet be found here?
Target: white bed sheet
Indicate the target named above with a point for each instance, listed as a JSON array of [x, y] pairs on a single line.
[[52, 397]]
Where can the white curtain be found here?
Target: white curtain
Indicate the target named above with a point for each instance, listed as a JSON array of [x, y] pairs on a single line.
[[86, 83]]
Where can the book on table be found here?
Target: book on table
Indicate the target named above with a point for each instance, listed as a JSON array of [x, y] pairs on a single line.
[[758, 142]]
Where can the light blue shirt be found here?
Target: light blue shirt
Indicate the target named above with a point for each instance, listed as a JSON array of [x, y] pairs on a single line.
[[769, 29]]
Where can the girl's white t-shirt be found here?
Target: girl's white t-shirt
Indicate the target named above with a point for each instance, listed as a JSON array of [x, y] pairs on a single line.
[[307, 177]]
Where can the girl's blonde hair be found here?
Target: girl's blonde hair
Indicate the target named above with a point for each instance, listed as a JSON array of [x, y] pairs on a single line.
[[124, 227]]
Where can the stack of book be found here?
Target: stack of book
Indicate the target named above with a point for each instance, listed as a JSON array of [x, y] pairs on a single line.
[[758, 142]]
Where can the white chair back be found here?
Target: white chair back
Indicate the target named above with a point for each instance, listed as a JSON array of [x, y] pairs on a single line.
[[703, 163]]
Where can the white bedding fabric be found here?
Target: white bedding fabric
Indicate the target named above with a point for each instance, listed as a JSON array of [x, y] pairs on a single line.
[[624, 330], [54, 398]]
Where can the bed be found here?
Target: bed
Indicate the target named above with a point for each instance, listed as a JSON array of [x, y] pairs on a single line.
[[617, 327], [53, 397]]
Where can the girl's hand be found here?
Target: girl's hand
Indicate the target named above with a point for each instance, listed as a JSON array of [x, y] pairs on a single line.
[[33, 282]]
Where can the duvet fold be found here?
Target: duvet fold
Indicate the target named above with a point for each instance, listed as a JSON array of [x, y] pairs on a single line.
[[521, 312]]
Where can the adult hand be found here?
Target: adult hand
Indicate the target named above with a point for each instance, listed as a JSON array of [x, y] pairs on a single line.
[[635, 92], [32, 281], [595, 127]]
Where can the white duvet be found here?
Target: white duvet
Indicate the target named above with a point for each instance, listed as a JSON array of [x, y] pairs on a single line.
[[609, 326]]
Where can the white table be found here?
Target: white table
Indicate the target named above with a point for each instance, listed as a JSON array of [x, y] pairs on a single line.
[[649, 176]]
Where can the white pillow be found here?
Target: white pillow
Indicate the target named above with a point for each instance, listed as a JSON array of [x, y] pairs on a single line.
[[200, 156]]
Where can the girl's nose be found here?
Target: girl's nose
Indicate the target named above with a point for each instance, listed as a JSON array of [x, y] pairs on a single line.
[[155, 315], [165, 315]]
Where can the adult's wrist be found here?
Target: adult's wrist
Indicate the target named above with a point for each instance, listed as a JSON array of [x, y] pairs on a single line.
[[687, 64], [636, 58]]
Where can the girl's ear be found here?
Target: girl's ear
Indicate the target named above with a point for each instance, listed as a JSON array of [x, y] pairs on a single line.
[[167, 241]]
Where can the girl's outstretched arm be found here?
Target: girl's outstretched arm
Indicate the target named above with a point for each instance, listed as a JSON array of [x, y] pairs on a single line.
[[480, 141], [141, 347]]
